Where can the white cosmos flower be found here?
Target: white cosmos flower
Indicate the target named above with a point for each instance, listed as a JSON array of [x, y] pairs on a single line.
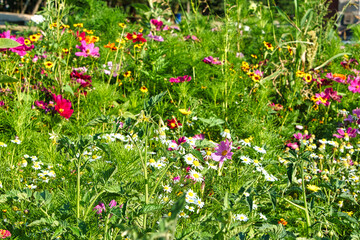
[[262, 216], [37, 19]]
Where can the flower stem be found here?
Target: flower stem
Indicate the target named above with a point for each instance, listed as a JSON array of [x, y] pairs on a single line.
[[308, 223], [78, 190]]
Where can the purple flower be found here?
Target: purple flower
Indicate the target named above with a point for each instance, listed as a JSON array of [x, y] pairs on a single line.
[[349, 119], [40, 104], [87, 50], [156, 38], [100, 208], [212, 61], [180, 79], [223, 152]]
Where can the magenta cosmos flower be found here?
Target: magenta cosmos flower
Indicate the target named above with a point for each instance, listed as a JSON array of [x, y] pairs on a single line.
[[355, 85], [223, 152], [20, 50], [350, 132], [63, 106], [87, 50]]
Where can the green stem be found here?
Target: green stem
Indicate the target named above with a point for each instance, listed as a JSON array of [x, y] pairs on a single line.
[[78, 190], [91, 204], [308, 223]]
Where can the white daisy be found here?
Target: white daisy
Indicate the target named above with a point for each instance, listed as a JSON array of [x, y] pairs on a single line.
[[167, 188], [246, 159], [189, 158], [226, 134], [241, 217], [259, 149], [196, 176], [17, 141]]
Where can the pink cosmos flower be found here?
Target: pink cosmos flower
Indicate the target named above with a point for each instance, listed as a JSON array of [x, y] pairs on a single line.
[[300, 136], [100, 208], [112, 203], [355, 85], [87, 50], [4, 234], [293, 145], [192, 37], [199, 137], [176, 179], [223, 152], [350, 132]]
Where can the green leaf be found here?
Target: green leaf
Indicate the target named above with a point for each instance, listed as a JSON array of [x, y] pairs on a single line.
[[68, 89], [212, 121], [100, 119], [330, 59], [42, 221], [151, 208], [273, 199], [291, 172], [177, 207], [7, 79], [75, 230], [153, 101], [345, 215], [348, 197], [249, 200], [8, 43]]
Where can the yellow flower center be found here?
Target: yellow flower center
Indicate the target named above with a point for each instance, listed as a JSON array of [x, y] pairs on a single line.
[[224, 152], [61, 110], [196, 163], [196, 175]]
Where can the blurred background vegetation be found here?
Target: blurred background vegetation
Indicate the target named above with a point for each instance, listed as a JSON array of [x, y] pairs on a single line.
[[206, 6]]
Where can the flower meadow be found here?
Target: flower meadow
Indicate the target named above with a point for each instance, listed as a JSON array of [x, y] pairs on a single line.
[[212, 127]]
